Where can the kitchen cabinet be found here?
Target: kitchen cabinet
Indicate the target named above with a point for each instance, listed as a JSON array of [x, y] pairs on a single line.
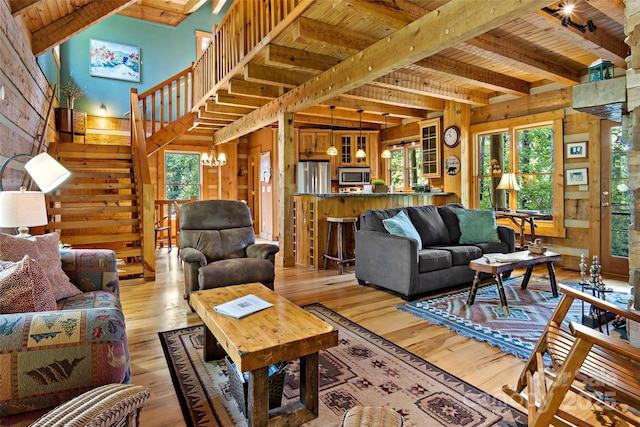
[[313, 144], [430, 144]]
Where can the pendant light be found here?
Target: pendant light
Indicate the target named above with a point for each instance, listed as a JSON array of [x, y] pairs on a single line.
[[360, 154], [386, 154], [332, 150]]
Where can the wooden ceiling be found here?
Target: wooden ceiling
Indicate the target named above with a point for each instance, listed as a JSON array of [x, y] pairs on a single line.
[[512, 58]]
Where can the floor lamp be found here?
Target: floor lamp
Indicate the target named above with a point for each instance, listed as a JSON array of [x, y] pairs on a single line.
[[23, 209]]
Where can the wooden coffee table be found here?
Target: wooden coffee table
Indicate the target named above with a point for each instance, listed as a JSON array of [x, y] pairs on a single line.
[[515, 260], [279, 333]]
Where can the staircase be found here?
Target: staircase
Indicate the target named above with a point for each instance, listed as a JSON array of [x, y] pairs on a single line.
[[97, 207]]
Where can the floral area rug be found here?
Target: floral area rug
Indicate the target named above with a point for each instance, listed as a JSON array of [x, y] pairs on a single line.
[[364, 369], [517, 333]]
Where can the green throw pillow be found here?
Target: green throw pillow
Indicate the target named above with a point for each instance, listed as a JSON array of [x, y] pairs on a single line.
[[477, 226], [401, 225]]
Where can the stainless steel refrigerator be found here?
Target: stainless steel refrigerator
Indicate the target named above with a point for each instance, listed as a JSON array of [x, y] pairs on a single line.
[[314, 177]]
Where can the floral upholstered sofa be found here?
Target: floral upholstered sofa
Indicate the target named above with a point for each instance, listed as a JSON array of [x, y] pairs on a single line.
[[48, 357]]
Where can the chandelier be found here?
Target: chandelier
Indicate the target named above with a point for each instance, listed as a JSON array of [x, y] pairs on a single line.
[[210, 159]]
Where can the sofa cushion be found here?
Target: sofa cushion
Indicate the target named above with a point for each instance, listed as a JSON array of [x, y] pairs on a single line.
[[401, 225], [90, 300], [429, 224], [462, 254], [433, 259], [493, 247], [373, 218], [24, 287], [450, 219], [477, 226], [46, 250]]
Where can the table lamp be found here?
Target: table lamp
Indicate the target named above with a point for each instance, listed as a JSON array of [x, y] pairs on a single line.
[[22, 209], [508, 182]]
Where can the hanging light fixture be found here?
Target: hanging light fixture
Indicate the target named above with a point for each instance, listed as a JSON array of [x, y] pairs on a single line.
[[332, 150], [210, 159], [386, 154], [360, 154]]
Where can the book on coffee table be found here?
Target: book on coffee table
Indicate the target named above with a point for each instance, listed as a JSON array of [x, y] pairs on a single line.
[[498, 257], [242, 306]]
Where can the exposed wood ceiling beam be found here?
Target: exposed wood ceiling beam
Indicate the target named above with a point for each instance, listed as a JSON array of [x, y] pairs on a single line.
[[230, 110], [342, 41], [192, 5], [154, 15], [467, 73], [68, 26], [346, 114], [275, 76], [598, 42], [447, 26], [421, 84], [391, 13], [283, 56], [506, 51], [217, 5], [614, 9], [258, 90], [19, 7], [397, 97], [241, 101], [355, 103]]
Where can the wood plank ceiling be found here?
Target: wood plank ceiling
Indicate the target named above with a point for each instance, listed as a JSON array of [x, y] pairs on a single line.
[[535, 48]]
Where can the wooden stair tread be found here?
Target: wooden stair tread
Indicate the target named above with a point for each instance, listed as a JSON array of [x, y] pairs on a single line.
[[101, 238], [78, 198], [91, 223], [94, 155]]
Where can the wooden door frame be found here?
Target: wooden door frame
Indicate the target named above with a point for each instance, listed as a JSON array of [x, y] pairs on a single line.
[[253, 184]]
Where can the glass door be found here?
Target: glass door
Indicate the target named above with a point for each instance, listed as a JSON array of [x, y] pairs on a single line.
[[614, 201]]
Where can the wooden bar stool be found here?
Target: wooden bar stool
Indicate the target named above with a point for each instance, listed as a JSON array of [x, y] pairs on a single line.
[[341, 244]]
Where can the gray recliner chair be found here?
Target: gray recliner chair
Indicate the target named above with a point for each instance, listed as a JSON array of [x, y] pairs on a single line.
[[218, 246]]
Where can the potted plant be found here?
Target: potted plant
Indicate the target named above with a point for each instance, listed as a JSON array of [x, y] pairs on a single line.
[[71, 91], [379, 185]]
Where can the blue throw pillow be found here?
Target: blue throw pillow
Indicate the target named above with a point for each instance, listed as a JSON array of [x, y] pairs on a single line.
[[401, 225], [477, 226]]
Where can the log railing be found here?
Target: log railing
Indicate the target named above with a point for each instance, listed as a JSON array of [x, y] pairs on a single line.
[[247, 27], [144, 188], [166, 102]]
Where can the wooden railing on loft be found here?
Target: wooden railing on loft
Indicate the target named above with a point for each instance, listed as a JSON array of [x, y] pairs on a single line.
[[166, 102], [247, 27], [144, 188]]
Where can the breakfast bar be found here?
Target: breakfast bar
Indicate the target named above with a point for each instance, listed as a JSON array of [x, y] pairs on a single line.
[[312, 211]]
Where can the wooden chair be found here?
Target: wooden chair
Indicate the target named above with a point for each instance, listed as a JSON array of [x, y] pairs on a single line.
[[583, 360], [163, 222]]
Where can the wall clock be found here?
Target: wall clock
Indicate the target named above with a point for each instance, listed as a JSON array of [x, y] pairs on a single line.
[[452, 165], [452, 136]]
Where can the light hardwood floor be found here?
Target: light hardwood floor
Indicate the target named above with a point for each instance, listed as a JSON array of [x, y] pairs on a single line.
[[158, 306]]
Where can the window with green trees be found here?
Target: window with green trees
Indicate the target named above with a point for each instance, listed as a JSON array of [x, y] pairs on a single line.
[[404, 166], [620, 207], [181, 175], [527, 152]]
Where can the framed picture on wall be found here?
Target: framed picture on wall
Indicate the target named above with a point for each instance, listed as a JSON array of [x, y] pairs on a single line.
[[577, 176], [114, 61], [576, 150]]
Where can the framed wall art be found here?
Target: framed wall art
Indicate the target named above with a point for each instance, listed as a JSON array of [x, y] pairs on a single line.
[[577, 176], [576, 150], [114, 61]]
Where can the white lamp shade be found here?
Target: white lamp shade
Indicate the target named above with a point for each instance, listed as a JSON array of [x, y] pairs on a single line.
[[46, 172], [22, 209], [508, 182]]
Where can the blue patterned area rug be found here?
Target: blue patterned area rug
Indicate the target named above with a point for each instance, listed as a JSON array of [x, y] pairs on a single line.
[[364, 369], [517, 334]]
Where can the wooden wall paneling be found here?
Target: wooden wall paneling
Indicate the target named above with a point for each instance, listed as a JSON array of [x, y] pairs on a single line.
[[593, 170]]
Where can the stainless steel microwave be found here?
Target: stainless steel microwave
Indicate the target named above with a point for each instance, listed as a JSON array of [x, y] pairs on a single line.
[[354, 176]]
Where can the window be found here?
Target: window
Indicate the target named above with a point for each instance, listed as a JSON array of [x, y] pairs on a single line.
[[182, 175], [202, 42], [620, 203], [533, 151], [404, 166]]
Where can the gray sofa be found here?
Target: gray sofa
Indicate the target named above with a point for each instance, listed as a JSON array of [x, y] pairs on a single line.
[[397, 263]]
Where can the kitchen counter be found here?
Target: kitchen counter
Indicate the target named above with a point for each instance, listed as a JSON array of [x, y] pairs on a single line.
[[312, 211], [428, 194]]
